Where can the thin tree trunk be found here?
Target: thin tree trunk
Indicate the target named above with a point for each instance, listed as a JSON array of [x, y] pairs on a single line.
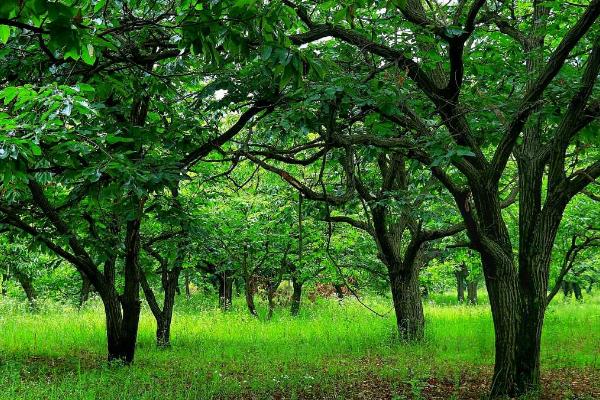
[[249, 292], [407, 304], [187, 285], [4, 279], [225, 291], [296, 296], [461, 275]]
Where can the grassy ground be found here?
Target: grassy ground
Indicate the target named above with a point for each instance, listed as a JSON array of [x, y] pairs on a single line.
[[330, 351]]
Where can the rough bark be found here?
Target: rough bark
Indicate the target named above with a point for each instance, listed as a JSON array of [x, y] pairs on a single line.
[[407, 304]]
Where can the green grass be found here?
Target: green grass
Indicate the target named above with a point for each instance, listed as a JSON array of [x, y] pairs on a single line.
[[59, 353]]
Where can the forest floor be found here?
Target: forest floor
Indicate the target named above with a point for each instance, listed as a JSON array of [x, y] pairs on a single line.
[[330, 351]]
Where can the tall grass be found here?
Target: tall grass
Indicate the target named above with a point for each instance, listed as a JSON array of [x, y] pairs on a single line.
[[59, 353]]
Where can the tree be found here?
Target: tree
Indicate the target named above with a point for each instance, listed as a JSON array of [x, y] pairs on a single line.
[[537, 127]]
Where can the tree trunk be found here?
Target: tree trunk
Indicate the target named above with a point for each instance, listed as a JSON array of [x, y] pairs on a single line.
[[123, 312], [225, 291], [27, 285], [121, 328], [577, 291], [187, 285], [249, 291], [407, 303], [461, 275], [505, 303], [472, 292], [86, 288], [296, 296], [3, 280], [339, 292]]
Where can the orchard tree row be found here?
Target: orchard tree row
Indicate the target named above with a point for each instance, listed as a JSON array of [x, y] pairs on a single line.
[[304, 139]]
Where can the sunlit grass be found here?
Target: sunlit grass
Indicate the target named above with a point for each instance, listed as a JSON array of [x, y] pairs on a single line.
[[59, 353]]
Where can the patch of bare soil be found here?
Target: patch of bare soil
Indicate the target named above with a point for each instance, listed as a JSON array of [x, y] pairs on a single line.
[[565, 383]]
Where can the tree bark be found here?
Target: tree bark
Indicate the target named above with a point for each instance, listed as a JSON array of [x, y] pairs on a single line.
[[249, 288], [338, 291], [461, 276], [3, 280], [472, 292], [187, 285], [86, 288], [407, 304], [27, 284], [296, 296]]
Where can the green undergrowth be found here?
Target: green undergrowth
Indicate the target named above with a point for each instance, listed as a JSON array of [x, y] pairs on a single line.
[[59, 352]]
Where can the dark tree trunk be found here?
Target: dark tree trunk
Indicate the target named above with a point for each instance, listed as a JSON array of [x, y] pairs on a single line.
[[296, 296], [225, 291], [577, 291], [27, 284], [461, 276], [407, 303], [249, 291], [86, 288], [567, 289], [3, 280], [123, 312], [338, 291], [121, 328], [472, 292]]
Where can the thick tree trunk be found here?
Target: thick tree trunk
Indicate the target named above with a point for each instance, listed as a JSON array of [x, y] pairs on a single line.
[[505, 302], [407, 303], [121, 328], [296, 296], [472, 292]]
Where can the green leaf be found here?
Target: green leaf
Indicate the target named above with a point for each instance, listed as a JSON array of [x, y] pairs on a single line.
[[112, 139], [88, 54], [36, 150], [266, 53], [4, 33]]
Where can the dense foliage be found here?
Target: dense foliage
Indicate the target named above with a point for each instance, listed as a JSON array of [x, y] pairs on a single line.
[[400, 147]]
